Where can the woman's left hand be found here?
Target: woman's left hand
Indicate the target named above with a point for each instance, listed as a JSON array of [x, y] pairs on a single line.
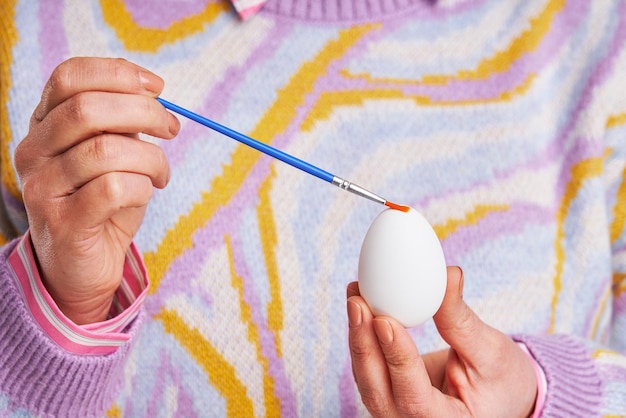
[[483, 374]]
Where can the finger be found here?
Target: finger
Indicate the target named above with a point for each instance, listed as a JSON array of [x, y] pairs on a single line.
[[95, 74], [352, 289], [459, 326], [368, 362], [92, 158], [91, 113], [412, 389], [105, 196]]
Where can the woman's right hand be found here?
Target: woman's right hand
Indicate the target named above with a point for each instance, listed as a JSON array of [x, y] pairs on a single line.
[[87, 178]]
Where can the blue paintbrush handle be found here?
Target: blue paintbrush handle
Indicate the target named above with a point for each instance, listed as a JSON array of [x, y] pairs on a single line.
[[264, 148]]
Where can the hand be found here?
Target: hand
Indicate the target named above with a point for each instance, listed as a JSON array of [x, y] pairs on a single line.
[[483, 374], [87, 177]]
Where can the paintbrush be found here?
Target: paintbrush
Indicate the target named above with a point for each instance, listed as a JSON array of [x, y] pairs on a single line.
[[282, 156]]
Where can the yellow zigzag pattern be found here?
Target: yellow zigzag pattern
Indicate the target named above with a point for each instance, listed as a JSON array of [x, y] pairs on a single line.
[[501, 62], [471, 218], [220, 372], [178, 239], [9, 35], [267, 230], [619, 211], [276, 119], [328, 101], [616, 120], [619, 283], [527, 42], [137, 38], [618, 225], [272, 405], [581, 172]]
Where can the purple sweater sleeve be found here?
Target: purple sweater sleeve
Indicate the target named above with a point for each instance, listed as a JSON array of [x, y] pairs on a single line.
[[575, 385], [38, 376]]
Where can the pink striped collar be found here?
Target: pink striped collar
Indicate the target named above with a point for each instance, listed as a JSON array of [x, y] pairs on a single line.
[[247, 8]]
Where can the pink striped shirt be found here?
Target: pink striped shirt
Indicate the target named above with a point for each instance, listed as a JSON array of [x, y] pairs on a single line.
[[97, 338]]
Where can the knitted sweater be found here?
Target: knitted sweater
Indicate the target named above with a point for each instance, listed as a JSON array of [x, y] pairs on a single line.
[[502, 122]]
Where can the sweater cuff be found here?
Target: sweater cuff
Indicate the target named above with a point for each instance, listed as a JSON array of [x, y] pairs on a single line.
[[38, 375], [97, 338], [574, 387]]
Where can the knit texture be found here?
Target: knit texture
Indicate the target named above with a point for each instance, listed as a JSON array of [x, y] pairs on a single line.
[[502, 122], [341, 11], [575, 388], [39, 376]]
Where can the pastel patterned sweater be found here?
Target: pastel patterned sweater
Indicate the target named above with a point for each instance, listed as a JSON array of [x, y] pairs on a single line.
[[502, 122]]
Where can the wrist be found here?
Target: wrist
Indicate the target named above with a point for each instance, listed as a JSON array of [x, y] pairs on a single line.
[[80, 303], [87, 312], [84, 307]]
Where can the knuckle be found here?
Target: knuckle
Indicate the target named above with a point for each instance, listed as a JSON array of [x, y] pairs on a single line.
[[359, 351], [21, 158], [61, 77], [408, 406], [119, 189], [464, 322], [375, 402], [32, 193], [100, 149], [398, 359], [80, 109], [112, 188], [119, 67]]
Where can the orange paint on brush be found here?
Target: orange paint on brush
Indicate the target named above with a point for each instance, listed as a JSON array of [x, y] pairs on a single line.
[[395, 206]]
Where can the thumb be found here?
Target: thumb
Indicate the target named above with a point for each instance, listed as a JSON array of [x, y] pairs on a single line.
[[459, 326]]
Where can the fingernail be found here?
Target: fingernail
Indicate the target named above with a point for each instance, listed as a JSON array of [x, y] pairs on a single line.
[[383, 330], [150, 82], [461, 284], [174, 125], [354, 314]]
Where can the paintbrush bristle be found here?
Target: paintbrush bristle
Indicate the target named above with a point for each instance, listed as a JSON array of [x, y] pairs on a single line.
[[395, 206]]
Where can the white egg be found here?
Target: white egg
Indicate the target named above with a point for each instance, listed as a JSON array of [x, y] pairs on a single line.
[[402, 269]]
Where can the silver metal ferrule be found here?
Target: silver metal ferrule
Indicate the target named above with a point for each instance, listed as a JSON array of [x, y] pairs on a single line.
[[357, 190]]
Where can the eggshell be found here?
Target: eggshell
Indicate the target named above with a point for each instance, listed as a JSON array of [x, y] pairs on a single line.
[[402, 269]]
